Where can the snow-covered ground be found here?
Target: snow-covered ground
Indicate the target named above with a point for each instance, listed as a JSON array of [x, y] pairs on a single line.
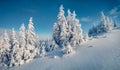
[[102, 53]]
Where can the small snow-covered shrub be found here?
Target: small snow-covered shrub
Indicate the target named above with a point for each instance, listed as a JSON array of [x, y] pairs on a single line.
[[68, 49]]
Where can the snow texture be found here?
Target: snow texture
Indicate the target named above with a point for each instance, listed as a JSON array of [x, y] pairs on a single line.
[[97, 54]]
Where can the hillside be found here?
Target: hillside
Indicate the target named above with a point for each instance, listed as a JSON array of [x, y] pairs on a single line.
[[102, 53]]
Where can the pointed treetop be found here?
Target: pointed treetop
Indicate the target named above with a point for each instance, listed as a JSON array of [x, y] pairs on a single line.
[[61, 12], [102, 14], [31, 25], [30, 20], [61, 7], [5, 34], [74, 14], [13, 29], [6, 38], [13, 33], [22, 27], [69, 13]]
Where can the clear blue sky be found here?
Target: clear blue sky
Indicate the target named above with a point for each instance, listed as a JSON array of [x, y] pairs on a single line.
[[44, 12]]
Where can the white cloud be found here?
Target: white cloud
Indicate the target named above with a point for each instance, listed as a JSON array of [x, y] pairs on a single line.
[[115, 12], [86, 19]]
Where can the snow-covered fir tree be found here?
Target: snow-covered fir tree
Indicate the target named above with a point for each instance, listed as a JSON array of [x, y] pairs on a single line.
[[22, 36], [60, 29], [31, 40], [53, 44], [43, 51], [49, 46], [5, 49], [77, 36], [67, 29], [15, 55], [110, 23], [68, 49], [103, 24], [86, 37], [106, 25], [22, 42], [74, 31], [70, 26], [115, 23], [31, 36], [93, 31], [1, 41]]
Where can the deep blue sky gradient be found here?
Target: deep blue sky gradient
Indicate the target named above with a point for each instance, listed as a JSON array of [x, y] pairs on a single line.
[[44, 12]]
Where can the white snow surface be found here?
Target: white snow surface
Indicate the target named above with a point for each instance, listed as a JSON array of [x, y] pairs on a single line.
[[102, 53]]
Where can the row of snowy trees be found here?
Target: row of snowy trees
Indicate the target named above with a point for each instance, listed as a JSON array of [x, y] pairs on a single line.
[[19, 48], [106, 25], [67, 31]]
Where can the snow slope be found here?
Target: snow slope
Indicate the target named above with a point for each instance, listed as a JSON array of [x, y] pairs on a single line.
[[102, 53]]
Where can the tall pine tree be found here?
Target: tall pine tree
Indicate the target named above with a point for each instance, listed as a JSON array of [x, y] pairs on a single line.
[[5, 49], [31, 39], [15, 50], [60, 29], [77, 31], [22, 42]]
